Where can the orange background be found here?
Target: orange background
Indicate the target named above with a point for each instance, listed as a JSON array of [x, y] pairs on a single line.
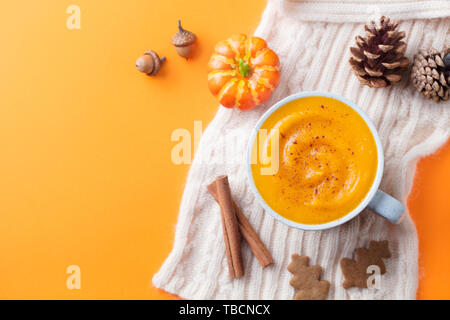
[[86, 174]]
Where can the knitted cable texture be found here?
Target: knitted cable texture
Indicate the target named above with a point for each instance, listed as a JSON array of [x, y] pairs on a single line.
[[312, 40]]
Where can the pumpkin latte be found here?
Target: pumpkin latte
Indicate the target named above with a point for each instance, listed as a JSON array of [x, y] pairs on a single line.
[[327, 160]]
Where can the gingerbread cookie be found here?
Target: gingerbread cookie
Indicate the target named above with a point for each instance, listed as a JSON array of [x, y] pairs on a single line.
[[355, 272], [306, 279]]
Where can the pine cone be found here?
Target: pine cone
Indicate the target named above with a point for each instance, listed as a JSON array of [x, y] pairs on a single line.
[[431, 74], [378, 60]]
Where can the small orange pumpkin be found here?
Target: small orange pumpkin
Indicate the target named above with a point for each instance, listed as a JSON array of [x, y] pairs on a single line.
[[243, 72]]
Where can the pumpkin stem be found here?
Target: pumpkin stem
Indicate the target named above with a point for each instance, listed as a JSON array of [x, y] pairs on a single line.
[[244, 68]]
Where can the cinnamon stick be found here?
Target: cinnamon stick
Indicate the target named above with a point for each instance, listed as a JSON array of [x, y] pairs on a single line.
[[249, 234], [228, 250], [232, 235]]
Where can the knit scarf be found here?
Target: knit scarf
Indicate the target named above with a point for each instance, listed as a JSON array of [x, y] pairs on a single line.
[[312, 39]]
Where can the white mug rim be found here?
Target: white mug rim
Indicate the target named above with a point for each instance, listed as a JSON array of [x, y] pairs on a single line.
[[373, 189]]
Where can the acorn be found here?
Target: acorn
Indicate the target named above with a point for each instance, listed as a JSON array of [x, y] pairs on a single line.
[[149, 63], [184, 41]]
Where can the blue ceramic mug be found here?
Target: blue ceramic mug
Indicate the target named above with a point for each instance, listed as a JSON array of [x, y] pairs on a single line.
[[376, 200]]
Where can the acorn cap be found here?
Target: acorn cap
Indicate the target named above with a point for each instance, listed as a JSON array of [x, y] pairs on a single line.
[[156, 61], [183, 37]]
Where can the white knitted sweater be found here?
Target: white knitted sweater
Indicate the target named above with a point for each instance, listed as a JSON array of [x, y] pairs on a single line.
[[312, 40]]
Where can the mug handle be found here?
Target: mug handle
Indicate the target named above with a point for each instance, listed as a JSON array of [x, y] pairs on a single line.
[[386, 206]]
